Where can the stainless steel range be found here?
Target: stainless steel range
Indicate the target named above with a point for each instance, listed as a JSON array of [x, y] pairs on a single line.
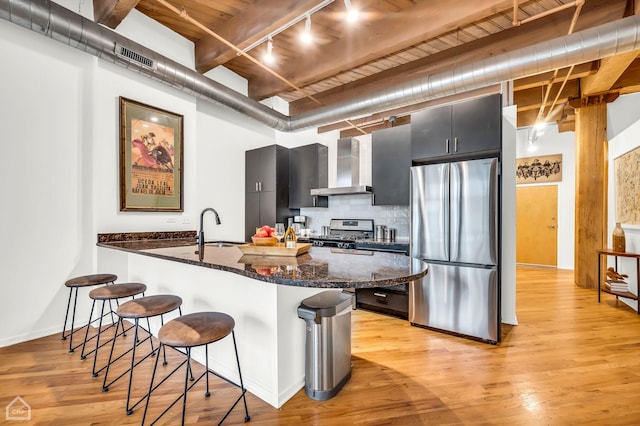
[[344, 233], [356, 235]]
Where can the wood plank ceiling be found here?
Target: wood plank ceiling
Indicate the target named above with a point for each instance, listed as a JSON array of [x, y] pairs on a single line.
[[393, 41]]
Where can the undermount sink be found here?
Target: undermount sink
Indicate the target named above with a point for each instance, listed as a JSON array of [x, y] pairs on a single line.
[[222, 244]]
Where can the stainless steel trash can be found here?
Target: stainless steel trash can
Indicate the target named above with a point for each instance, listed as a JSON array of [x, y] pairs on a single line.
[[328, 343]]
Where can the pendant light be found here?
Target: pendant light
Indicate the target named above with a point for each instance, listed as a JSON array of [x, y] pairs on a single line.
[[352, 12], [268, 57], [306, 34]]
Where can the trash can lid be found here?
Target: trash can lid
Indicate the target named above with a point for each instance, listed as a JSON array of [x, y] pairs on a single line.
[[327, 303]]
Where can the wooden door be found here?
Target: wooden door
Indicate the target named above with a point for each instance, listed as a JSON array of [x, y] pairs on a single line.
[[537, 225]]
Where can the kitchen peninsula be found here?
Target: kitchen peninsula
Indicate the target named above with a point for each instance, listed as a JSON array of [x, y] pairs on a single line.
[[261, 293]]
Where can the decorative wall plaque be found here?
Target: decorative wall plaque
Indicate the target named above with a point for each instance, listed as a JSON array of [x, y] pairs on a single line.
[[627, 187], [540, 169]]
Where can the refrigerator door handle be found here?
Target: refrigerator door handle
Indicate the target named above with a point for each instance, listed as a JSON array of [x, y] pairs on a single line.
[[454, 206], [445, 219]]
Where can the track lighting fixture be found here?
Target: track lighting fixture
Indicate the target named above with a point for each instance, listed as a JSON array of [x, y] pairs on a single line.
[[306, 15], [268, 57], [306, 34], [352, 12]]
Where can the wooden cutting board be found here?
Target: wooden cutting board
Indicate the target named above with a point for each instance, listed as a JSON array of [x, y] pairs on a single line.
[[253, 249]]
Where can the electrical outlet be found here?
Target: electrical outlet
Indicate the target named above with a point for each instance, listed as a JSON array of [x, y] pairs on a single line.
[[186, 220]]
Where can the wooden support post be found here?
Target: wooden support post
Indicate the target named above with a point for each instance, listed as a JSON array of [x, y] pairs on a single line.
[[591, 189]]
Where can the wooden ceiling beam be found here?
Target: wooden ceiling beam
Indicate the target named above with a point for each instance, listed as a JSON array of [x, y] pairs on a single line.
[[579, 71], [610, 70], [567, 124], [351, 132], [254, 23], [111, 12], [595, 12], [528, 117], [629, 81], [530, 99], [383, 35]]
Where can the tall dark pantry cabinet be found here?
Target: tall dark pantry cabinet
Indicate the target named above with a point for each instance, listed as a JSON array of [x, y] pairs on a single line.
[[266, 187]]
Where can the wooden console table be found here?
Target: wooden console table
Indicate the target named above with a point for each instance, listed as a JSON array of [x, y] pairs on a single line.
[[609, 252]]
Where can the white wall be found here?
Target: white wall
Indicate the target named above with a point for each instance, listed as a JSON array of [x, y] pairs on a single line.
[[59, 111], [508, 287], [623, 124], [45, 230], [552, 142]]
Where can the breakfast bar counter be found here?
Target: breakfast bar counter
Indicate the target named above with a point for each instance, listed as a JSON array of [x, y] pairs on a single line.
[[319, 268], [261, 293]]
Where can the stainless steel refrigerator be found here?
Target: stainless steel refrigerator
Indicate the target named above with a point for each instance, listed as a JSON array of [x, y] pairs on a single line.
[[454, 228]]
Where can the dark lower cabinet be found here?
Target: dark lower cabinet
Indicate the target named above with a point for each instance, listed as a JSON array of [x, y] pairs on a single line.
[[389, 300], [390, 165], [266, 187], [308, 169], [461, 128]]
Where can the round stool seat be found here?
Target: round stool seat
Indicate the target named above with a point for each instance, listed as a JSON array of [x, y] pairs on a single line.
[[149, 306], [117, 291], [196, 329], [89, 280]]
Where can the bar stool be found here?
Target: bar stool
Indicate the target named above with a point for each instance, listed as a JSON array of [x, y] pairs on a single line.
[[104, 294], [141, 308], [188, 331], [75, 284]]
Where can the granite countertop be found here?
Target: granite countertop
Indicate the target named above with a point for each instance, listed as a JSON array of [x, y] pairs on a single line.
[[319, 267]]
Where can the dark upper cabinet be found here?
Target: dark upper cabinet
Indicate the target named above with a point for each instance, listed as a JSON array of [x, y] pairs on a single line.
[[390, 165], [430, 132], [462, 128], [260, 170], [308, 168], [267, 187]]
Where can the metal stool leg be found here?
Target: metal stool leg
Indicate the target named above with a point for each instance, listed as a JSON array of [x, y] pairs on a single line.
[[95, 355], [133, 360], [244, 391], [86, 332], [73, 318], [186, 385], [105, 388], [206, 364], [66, 315]]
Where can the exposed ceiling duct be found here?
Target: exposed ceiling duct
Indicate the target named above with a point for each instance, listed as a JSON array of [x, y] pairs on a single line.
[[56, 22]]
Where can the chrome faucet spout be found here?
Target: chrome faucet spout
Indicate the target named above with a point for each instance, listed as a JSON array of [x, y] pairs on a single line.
[[200, 236]]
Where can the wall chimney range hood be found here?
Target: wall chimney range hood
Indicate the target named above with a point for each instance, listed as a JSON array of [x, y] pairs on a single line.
[[348, 168]]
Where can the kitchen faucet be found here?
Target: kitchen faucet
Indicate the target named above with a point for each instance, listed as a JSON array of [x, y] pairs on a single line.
[[200, 236]]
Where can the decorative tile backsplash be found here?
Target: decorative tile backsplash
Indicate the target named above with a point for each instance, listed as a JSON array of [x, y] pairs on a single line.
[[359, 207]]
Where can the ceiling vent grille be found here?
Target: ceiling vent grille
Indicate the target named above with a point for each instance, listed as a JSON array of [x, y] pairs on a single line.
[[132, 56]]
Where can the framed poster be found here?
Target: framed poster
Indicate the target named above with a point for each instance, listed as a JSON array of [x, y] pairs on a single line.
[[627, 187], [540, 169], [151, 153]]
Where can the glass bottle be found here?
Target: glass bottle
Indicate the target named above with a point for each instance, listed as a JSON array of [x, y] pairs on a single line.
[[290, 238], [618, 239]]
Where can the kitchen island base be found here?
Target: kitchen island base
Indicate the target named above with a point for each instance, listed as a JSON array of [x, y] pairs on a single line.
[[262, 293], [270, 336]]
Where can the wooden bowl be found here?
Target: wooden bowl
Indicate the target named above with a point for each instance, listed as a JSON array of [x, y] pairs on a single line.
[[268, 241]]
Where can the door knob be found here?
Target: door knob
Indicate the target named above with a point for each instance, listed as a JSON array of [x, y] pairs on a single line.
[[551, 226]]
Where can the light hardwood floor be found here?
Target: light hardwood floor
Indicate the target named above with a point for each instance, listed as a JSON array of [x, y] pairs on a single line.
[[569, 361]]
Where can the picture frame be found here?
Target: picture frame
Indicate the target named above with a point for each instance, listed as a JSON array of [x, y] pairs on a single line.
[[626, 170], [539, 169], [151, 158]]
